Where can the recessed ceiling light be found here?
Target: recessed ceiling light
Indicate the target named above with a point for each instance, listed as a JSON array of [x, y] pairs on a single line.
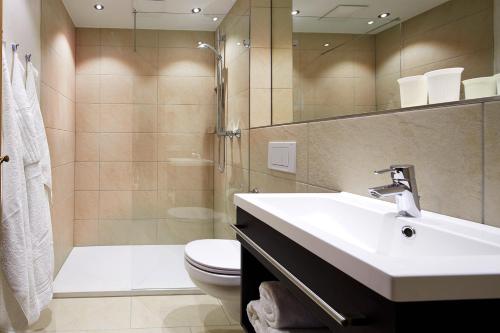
[[295, 12], [238, 43], [98, 6], [326, 44], [371, 22], [196, 10], [215, 19], [384, 15]]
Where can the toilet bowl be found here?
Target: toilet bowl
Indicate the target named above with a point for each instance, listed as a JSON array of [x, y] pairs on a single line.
[[214, 266]]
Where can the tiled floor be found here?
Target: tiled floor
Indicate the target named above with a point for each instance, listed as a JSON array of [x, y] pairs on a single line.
[[141, 314]]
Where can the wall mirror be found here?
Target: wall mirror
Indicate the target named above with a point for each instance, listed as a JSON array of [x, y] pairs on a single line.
[[334, 58]]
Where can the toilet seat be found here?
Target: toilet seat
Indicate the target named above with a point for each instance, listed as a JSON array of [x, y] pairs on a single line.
[[214, 256]]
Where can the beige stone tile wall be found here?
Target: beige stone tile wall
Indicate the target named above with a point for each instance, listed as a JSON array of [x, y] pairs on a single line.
[[444, 144], [57, 94], [144, 148], [458, 33], [339, 82], [492, 164], [234, 179]]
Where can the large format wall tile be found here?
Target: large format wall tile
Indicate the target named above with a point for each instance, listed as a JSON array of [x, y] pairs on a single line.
[[492, 164], [57, 96], [443, 144], [137, 146]]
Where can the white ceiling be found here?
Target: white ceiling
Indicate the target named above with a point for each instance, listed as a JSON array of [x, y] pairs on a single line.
[[175, 14], [315, 15]]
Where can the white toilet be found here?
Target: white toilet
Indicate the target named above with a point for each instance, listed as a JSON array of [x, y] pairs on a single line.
[[214, 265]]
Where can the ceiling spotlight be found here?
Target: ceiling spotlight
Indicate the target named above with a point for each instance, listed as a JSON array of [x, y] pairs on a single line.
[[98, 6], [326, 44], [196, 10], [384, 15], [215, 19], [295, 12], [371, 22]]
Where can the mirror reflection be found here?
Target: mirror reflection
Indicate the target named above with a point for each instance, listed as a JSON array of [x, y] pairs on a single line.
[[336, 58]]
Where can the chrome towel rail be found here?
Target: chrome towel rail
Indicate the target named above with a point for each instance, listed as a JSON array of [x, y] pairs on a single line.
[[334, 314]]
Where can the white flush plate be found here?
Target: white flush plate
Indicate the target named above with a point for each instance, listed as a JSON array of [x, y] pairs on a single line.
[[281, 156]]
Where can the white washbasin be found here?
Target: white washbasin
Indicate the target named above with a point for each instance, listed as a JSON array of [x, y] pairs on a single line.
[[447, 258]]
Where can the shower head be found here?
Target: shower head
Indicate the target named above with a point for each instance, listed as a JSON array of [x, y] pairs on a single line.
[[202, 45]]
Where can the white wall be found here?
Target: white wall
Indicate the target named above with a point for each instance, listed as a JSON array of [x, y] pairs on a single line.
[[22, 25]]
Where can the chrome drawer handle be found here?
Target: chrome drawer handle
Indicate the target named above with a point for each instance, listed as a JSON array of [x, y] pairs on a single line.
[[337, 316]]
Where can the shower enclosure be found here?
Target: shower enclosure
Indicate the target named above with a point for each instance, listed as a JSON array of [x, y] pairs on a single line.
[[146, 170]]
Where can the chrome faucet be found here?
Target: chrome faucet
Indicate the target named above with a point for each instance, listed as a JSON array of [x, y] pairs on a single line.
[[403, 188]]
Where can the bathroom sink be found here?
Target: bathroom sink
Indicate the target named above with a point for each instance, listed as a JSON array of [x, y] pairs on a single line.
[[433, 257]]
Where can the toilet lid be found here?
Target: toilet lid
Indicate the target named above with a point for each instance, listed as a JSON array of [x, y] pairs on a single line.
[[220, 256]]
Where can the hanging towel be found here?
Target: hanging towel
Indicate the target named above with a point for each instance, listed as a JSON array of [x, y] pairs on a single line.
[[38, 203], [39, 127], [282, 310], [16, 253]]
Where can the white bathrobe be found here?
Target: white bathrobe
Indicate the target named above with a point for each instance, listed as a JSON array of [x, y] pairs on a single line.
[[39, 127], [38, 203], [15, 242]]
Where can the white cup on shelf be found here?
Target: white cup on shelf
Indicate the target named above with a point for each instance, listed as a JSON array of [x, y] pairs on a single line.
[[480, 87], [413, 91], [444, 85]]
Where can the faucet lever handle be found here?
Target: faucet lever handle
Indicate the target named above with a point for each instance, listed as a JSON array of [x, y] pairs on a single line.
[[379, 172]]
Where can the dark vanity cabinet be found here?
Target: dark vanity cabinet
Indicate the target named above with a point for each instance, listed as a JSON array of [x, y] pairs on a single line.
[[339, 301]]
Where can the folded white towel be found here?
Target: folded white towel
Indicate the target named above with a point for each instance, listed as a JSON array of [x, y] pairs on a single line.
[[254, 312], [282, 310]]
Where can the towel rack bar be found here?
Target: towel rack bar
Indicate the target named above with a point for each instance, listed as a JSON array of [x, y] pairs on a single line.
[[334, 314]]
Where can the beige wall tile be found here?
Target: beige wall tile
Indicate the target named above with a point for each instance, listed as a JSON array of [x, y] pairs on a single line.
[[186, 62], [87, 176], [86, 232], [87, 147], [260, 71], [63, 182], [145, 118], [88, 88], [179, 118], [116, 89], [61, 146], [183, 231], [186, 90], [145, 89], [86, 205], [116, 118], [114, 232], [87, 117], [188, 39], [88, 60], [259, 139], [115, 205], [88, 37], [260, 107], [144, 232], [492, 164], [446, 150], [261, 27], [184, 145], [115, 147]]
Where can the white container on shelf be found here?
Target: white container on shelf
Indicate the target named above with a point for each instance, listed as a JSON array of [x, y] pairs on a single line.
[[480, 87], [497, 78], [413, 91], [444, 85]]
